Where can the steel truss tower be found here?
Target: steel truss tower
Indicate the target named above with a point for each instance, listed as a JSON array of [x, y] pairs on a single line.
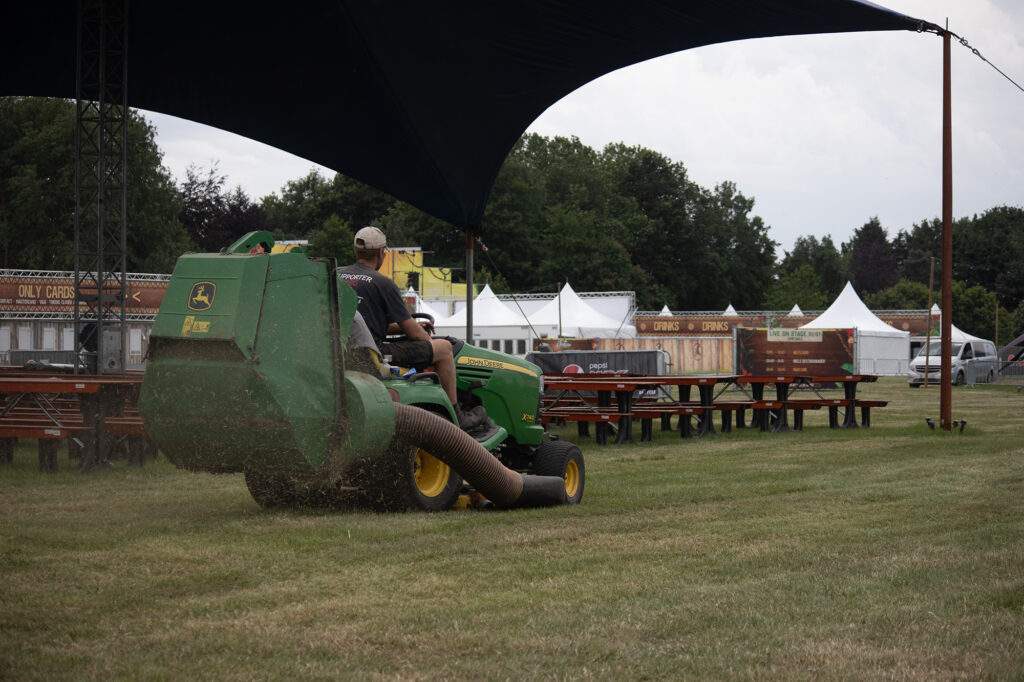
[[101, 144]]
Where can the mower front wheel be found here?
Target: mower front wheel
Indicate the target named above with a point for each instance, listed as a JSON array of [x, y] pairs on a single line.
[[563, 459]]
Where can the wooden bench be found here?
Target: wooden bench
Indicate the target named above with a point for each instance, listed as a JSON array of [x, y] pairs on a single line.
[[601, 416], [834, 404], [865, 410], [665, 412], [34, 424]]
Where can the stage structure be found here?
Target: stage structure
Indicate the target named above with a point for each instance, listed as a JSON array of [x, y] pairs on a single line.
[[101, 202]]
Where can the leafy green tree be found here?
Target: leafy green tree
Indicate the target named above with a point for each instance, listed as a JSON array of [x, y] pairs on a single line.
[[405, 225], [801, 287], [498, 284], [213, 216], [821, 256], [1012, 325], [356, 203], [974, 309], [744, 251], [304, 204], [301, 207], [904, 295], [989, 252], [334, 240], [914, 249], [658, 207], [514, 229], [588, 261], [871, 259], [37, 197]]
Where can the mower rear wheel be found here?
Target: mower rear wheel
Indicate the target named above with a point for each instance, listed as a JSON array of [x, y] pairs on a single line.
[[563, 459], [271, 491]]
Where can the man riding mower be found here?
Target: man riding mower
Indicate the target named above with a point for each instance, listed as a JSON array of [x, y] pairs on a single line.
[[409, 344], [273, 372]]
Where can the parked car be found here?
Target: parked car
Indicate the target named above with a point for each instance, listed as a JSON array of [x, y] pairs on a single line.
[[972, 362]]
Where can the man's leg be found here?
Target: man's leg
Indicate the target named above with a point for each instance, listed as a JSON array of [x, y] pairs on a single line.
[[444, 365]]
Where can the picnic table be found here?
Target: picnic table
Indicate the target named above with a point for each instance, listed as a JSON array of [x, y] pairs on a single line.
[[55, 407], [569, 403], [623, 387]]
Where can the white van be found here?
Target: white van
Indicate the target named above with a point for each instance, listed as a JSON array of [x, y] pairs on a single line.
[[973, 362]]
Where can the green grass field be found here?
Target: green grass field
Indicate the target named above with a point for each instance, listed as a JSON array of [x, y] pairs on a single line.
[[889, 552]]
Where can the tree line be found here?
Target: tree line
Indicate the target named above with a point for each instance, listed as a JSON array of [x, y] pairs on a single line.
[[619, 218]]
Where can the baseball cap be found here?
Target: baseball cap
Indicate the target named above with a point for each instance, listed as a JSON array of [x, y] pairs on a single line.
[[370, 239]]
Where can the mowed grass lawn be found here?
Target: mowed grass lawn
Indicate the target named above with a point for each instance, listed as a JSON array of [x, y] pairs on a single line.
[[889, 552]]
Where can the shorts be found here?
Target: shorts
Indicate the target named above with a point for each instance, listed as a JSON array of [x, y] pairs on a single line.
[[411, 353]]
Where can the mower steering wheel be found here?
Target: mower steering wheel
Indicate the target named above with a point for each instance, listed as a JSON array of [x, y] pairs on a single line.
[[424, 316], [416, 316]]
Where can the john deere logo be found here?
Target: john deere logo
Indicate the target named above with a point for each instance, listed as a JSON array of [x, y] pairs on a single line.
[[202, 295]]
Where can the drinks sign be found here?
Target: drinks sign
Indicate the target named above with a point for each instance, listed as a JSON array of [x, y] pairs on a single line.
[[688, 326]]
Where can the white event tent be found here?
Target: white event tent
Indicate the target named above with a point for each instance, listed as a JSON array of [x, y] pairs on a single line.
[[881, 348], [730, 312], [795, 312], [960, 336], [665, 312], [569, 315], [422, 306], [495, 325]]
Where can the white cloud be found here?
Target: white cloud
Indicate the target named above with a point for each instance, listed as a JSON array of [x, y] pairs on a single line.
[[825, 131]]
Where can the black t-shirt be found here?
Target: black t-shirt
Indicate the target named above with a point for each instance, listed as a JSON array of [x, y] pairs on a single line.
[[380, 301]]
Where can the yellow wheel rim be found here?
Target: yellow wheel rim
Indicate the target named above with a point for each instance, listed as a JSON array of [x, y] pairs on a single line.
[[572, 478], [431, 474]]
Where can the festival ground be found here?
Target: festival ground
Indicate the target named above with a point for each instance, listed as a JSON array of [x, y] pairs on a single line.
[[890, 552]]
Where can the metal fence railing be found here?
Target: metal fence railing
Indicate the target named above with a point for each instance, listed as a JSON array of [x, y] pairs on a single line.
[[1011, 372]]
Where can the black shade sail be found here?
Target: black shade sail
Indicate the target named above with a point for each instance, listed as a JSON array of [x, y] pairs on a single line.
[[420, 99]]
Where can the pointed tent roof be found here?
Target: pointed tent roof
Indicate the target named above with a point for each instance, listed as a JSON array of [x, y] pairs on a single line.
[[488, 311], [665, 311], [423, 307], [577, 315], [730, 312], [936, 310], [795, 312], [960, 336], [849, 311]]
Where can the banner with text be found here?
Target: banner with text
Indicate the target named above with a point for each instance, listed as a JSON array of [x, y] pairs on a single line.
[[819, 352], [56, 295]]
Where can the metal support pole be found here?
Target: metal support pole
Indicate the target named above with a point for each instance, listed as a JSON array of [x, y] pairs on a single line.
[[995, 337], [946, 386], [470, 239], [928, 332], [101, 143]]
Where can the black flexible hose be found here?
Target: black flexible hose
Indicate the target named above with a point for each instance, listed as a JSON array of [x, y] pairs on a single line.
[[453, 446]]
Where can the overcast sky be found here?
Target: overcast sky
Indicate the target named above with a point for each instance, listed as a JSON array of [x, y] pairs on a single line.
[[824, 131]]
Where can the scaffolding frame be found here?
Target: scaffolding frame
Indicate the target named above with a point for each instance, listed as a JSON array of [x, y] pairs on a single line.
[[101, 202]]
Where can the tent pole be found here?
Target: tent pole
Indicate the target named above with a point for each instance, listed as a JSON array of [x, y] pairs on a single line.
[[469, 285], [559, 310], [946, 392]]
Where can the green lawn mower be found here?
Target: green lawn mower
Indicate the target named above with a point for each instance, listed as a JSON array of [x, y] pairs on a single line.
[[255, 367]]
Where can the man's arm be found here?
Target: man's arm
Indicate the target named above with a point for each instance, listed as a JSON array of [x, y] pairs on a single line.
[[401, 321], [413, 330]]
